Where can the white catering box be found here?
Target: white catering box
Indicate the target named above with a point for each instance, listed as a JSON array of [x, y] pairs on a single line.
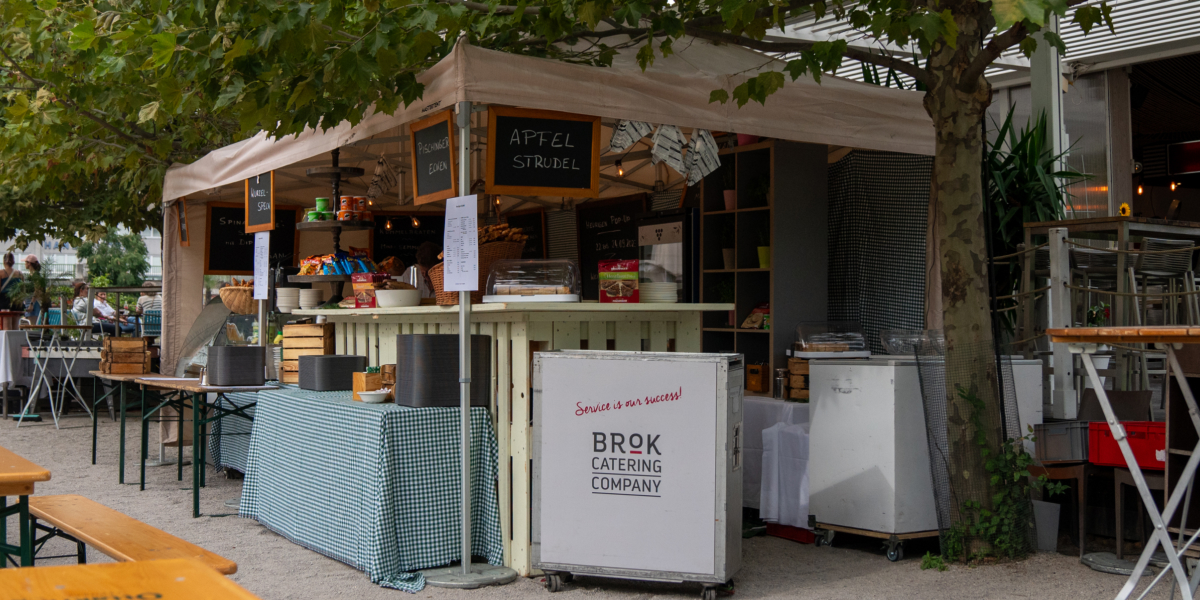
[[868, 463], [637, 465]]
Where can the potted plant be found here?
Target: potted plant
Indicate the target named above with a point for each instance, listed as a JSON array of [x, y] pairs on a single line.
[[730, 180], [764, 249], [729, 245]]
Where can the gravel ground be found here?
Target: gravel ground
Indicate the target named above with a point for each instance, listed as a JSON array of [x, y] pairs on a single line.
[[273, 568]]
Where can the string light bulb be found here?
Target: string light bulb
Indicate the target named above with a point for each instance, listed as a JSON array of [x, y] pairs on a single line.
[[620, 169], [1174, 185], [415, 222], [389, 225], [1140, 190]]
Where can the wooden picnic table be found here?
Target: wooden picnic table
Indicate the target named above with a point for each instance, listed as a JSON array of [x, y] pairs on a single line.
[[200, 410], [17, 478], [174, 579]]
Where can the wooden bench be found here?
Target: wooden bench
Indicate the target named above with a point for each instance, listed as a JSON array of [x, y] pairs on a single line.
[[116, 535]]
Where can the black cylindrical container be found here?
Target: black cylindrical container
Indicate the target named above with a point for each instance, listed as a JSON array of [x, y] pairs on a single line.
[[236, 365], [427, 370], [330, 372]]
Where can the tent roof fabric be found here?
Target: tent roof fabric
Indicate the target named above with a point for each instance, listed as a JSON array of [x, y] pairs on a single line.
[[674, 90]]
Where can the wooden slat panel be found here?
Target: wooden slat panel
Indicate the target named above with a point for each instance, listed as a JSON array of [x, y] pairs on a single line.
[[541, 332], [658, 336], [502, 420], [687, 333], [361, 343], [566, 335], [387, 343], [520, 450], [629, 335], [598, 335], [340, 337]]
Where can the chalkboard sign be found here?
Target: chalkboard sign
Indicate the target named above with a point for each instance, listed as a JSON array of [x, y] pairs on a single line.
[[229, 250], [402, 239], [542, 153], [532, 224], [260, 203], [607, 230], [434, 164]]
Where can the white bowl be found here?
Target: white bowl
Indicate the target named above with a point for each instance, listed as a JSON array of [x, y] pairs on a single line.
[[396, 298], [373, 397]]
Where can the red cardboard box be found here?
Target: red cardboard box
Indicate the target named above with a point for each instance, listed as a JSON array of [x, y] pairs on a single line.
[[619, 281], [364, 288]]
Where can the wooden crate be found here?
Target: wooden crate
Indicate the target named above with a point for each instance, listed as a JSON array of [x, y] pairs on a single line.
[[118, 344], [305, 340], [289, 377], [366, 382], [125, 356], [797, 366], [798, 382], [798, 394]]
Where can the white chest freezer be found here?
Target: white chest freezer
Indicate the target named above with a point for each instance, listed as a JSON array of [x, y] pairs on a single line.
[[637, 466], [868, 463]]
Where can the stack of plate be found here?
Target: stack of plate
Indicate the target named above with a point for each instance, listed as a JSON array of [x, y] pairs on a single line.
[[287, 299], [658, 292], [311, 298]]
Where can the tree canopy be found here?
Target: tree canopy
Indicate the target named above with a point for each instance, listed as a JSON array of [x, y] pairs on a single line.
[[120, 258]]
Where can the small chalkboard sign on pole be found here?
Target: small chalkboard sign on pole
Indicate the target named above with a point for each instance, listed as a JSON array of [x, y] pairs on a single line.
[[260, 203], [434, 163], [542, 153]]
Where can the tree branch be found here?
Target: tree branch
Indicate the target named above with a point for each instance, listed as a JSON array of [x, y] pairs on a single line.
[[969, 80], [500, 10], [69, 103], [885, 61]]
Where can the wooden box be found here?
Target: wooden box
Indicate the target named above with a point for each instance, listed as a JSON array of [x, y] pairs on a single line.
[[798, 366], [756, 378], [798, 382], [303, 340], [389, 374], [798, 394], [367, 382], [125, 356]]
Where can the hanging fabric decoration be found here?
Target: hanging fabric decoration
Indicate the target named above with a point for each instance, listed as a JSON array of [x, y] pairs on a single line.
[[627, 134], [703, 156], [668, 147], [385, 179]]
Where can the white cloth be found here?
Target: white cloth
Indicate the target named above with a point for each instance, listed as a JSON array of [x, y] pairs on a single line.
[[759, 413], [668, 147], [627, 133], [10, 353], [785, 475], [79, 309], [703, 156]]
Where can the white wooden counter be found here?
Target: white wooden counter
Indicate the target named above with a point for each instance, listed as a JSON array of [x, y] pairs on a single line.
[[519, 329]]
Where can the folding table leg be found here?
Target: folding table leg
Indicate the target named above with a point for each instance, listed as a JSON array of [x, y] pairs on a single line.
[[121, 451], [1160, 535], [145, 449], [179, 442], [197, 414]]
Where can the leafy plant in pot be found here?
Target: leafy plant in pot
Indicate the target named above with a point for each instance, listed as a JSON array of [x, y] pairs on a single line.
[[764, 249], [730, 184]]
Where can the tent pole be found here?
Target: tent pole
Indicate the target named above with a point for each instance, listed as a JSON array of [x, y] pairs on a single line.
[[464, 343]]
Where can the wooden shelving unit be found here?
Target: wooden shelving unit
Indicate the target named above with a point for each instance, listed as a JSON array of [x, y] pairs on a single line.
[[781, 199]]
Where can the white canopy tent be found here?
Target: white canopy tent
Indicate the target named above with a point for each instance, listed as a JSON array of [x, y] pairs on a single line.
[[674, 90]]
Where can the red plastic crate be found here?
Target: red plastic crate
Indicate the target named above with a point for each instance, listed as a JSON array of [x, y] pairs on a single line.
[[787, 532], [1147, 439]]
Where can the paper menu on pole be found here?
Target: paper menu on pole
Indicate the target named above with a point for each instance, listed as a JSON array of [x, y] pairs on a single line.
[[262, 263], [461, 245]]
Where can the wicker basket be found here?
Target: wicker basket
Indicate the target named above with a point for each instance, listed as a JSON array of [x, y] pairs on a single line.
[[239, 300], [488, 255]]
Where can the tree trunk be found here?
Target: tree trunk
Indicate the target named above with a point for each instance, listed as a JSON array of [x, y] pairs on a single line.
[[958, 196]]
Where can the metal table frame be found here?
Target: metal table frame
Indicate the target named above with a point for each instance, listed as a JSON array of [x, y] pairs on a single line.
[[1086, 342], [200, 420], [41, 361]]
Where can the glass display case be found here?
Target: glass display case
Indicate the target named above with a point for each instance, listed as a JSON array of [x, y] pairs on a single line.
[[838, 337], [533, 280]]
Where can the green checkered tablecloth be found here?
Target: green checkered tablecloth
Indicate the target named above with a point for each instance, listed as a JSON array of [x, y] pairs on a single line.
[[375, 486]]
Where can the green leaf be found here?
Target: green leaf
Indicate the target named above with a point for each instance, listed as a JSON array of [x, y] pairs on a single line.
[[721, 96], [240, 48], [1011, 12], [162, 47], [47, 5], [950, 28], [589, 14], [645, 56], [82, 36]]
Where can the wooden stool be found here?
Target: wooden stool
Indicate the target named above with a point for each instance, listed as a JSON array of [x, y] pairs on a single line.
[[1122, 476]]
